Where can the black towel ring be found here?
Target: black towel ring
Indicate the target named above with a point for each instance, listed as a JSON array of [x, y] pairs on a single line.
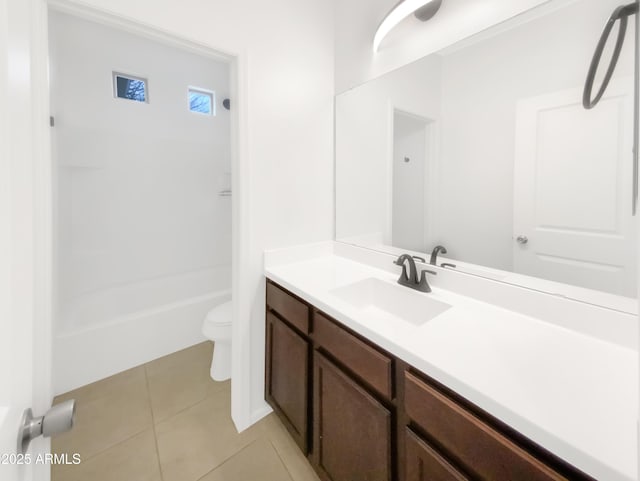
[[621, 13]]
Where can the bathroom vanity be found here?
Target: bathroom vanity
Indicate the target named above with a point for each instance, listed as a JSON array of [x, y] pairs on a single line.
[[522, 363], [373, 414], [375, 381]]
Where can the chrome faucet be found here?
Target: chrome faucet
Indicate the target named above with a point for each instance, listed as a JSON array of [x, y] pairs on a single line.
[[411, 280], [434, 254]]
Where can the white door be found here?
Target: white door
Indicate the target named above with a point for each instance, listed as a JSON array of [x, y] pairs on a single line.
[[24, 235], [573, 187]]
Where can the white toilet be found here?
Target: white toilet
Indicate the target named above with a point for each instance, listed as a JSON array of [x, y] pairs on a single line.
[[217, 327]]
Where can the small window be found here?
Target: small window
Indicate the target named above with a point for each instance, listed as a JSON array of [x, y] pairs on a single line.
[[128, 87], [201, 101]]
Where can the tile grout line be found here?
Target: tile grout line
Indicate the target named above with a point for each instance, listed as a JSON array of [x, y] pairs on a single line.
[[208, 394], [153, 421], [280, 452], [275, 448], [122, 441], [102, 451], [118, 443], [143, 366], [169, 418], [186, 408], [227, 460]]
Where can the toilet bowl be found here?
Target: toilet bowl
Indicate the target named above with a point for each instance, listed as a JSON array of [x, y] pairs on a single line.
[[217, 327]]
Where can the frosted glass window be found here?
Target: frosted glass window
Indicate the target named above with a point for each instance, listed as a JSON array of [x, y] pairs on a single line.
[[201, 102], [130, 88]]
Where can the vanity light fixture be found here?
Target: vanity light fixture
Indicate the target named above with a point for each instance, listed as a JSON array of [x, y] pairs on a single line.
[[422, 9]]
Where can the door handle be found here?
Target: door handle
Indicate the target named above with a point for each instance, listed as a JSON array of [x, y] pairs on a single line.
[[57, 420], [522, 239]]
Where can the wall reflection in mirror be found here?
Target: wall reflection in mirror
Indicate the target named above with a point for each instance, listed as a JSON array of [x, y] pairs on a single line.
[[485, 148]]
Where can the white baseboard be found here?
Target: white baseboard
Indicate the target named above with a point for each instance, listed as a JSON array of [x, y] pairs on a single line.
[[261, 412], [86, 356]]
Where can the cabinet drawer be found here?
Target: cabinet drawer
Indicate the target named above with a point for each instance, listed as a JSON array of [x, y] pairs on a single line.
[[483, 451], [365, 361], [423, 463], [291, 309]]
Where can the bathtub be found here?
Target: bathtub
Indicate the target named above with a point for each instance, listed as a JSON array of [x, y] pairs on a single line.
[[107, 331]]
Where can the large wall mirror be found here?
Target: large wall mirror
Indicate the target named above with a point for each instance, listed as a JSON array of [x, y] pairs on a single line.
[[485, 148]]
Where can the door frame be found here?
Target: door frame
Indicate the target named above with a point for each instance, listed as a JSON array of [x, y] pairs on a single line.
[[43, 179]]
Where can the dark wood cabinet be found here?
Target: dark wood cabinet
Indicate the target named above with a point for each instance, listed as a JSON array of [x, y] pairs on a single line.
[[367, 363], [288, 307], [469, 439], [360, 414], [424, 463], [352, 430], [287, 379]]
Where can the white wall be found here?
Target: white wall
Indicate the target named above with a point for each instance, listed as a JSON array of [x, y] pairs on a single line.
[[285, 74], [481, 85], [357, 20]]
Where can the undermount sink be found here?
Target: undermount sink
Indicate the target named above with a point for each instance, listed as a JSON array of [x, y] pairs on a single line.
[[375, 297]]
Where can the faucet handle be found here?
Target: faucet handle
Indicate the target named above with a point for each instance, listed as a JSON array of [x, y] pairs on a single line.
[[434, 254], [400, 260], [423, 285], [404, 274], [421, 259]]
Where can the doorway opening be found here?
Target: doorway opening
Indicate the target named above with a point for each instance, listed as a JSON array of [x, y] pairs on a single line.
[[29, 228], [412, 174], [142, 162]]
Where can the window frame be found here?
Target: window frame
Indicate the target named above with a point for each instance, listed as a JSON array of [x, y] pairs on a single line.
[[200, 90], [114, 81]]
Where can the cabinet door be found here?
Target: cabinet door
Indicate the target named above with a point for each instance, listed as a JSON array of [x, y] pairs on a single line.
[[423, 463], [352, 430], [287, 382]]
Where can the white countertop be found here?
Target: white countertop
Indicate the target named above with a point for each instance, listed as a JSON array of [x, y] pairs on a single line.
[[573, 394]]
